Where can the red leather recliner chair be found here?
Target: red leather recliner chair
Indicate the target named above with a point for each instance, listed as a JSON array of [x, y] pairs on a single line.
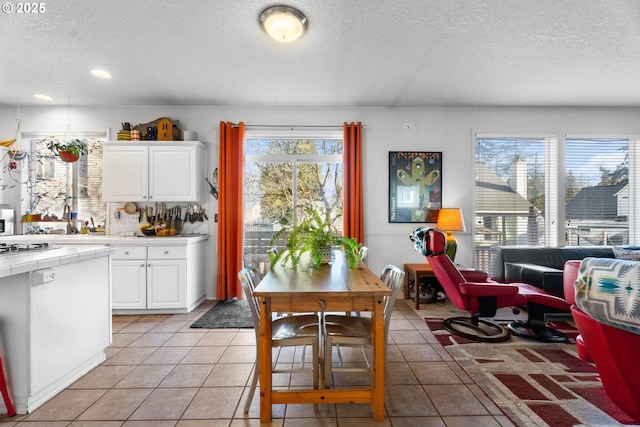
[[482, 299], [614, 351]]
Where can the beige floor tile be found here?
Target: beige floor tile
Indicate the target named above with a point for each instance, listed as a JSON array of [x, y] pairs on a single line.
[[187, 376], [223, 375], [102, 377], [219, 401], [129, 356], [238, 354], [470, 421], [180, 339], [169, 326], [166, 356], [419, 353], [434, 373], [145, 376], [165, 404], [151, 339], [123, 340], [116, 404], [67, 405], [207, 355], [141, 327], [217, 337], [454, 399]]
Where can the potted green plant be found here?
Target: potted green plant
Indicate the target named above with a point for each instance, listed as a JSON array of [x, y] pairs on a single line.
[[316, 236], [68, 150]]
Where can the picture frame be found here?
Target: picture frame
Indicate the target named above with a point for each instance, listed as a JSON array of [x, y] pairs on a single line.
[[415, 186]]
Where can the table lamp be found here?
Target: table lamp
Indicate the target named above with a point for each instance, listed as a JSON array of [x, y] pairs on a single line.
[[450, 220]]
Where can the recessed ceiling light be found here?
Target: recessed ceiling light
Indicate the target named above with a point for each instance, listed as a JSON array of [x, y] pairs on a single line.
[[101, 74], [283, 23], [43, 97]]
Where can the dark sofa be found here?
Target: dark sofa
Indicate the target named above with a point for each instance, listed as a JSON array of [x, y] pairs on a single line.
[[539, 266]]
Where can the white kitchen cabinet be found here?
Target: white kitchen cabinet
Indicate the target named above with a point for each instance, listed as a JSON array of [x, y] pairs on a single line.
[[153, 171], [158, 278], [166, 277]]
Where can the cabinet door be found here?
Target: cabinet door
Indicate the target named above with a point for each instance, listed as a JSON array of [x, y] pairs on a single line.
[[166, 284], [125, 173], [173, 174], [129, 284]]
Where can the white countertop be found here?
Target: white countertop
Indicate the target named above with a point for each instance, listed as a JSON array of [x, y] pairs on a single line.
[[26, 262], [102, 239]]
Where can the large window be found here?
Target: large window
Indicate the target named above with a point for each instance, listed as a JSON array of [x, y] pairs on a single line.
[[597, 191], [281, 174], [552, 190]]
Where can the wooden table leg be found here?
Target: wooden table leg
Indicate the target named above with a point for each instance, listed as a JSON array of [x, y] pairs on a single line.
[[265, 360], [378, 361]]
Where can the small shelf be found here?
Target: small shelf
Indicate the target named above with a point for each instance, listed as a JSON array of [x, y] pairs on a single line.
[[50, 220]]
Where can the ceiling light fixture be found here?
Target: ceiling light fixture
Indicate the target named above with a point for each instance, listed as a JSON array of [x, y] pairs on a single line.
[[283, 23], [43, 97], [102, 74]]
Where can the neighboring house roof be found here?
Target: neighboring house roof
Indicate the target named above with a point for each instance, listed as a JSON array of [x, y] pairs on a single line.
[[595, 203], [495, 197]]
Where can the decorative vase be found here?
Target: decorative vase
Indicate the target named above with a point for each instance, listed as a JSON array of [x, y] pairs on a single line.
[[69, 158], [326, 255]]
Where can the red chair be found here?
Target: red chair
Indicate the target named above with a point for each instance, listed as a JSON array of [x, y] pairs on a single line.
[[482, 299], [614, 351], [5, 392]]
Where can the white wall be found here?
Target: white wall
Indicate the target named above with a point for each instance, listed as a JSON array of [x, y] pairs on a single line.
[[448, 130]]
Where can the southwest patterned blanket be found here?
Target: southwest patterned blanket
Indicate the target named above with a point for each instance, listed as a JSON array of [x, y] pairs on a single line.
[[608, 290]]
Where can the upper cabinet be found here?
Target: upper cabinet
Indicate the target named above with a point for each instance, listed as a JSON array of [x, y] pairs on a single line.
[[153, 171]]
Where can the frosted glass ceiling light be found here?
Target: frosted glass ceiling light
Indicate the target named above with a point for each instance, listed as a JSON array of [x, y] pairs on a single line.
[[283, 23], [101, 74], [43, 97]]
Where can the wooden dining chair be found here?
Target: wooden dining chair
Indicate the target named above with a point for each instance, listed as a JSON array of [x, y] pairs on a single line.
[[341, 330], [295, 330]]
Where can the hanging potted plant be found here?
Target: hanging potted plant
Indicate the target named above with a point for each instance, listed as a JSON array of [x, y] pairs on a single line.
[[316, 236], [68, 150]]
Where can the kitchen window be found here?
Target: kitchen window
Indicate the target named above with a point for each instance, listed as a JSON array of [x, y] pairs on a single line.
[[282, 173], [54, 183]]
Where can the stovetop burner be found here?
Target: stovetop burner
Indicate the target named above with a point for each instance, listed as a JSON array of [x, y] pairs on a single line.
[[14, 248]]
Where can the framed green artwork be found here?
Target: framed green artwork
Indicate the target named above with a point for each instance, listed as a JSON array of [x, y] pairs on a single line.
[[415, 186]]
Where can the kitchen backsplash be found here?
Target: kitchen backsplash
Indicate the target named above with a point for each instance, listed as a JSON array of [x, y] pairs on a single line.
[[193, 216]]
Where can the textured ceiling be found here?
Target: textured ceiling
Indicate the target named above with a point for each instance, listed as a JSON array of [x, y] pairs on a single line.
[[355, 53]]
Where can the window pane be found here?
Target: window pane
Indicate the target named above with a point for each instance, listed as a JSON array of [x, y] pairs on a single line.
[[77, 184], [597, 193], [281, 174], [510, 194]]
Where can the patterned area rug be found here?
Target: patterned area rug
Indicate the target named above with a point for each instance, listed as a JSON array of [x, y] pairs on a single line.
[[231, 313], [536, 384]]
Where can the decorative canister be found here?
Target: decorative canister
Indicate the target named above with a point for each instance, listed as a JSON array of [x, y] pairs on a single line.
[[135, 135], [190, 135]]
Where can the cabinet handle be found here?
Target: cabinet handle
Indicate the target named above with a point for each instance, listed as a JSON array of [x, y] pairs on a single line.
[[126, 252], [142, 265], [166, 252], [149, 265]]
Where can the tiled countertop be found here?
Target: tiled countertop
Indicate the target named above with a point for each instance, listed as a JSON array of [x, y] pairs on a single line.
[[89, 239], [25, 262]]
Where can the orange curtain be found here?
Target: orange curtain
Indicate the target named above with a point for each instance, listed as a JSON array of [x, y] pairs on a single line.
[[230, 200], [353, 209]]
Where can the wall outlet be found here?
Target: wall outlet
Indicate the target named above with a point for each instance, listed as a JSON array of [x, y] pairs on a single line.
[[43, 276]]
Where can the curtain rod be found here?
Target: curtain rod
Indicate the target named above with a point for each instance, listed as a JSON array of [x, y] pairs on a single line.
[[292, 127]]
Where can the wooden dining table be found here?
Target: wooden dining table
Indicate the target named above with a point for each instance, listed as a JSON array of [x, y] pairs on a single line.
[[332, 288]]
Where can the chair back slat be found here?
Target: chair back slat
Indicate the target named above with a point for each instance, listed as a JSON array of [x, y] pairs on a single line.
[[393, 277], [249, 279]]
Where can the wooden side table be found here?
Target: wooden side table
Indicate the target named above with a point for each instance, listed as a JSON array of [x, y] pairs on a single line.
[[416, 271]]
